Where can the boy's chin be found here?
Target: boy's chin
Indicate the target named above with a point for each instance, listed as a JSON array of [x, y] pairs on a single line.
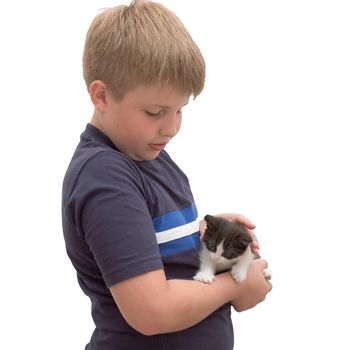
[[152, 157], [148, 156]]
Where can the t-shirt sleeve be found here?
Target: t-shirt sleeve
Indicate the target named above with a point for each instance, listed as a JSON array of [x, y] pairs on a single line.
[[114, 220]]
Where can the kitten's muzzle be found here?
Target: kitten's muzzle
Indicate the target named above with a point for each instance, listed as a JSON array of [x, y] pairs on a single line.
[[215, 257]]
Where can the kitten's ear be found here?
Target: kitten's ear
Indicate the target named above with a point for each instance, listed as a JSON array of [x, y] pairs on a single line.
[[211, 222]]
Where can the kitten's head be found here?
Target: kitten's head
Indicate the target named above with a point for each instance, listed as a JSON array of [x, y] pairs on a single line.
[[224, 238]]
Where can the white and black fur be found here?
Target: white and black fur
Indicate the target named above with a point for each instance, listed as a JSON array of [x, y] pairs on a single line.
[[226, 246]]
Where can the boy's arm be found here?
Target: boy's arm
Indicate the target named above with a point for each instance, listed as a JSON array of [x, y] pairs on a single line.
[[153, 305]]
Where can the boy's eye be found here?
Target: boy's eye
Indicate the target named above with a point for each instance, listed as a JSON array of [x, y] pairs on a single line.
[[153, 114]]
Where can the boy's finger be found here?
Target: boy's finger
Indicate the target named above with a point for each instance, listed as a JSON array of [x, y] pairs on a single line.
[[245, 222]]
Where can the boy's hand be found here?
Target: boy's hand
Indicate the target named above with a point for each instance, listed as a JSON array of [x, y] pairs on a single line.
[[241, 220], [254, 289]]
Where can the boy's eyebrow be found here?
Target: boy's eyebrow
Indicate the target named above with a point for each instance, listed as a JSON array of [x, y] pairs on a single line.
[[165, 107]]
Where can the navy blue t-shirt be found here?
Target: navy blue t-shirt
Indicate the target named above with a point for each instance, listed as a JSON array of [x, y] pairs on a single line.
[[122, 218]]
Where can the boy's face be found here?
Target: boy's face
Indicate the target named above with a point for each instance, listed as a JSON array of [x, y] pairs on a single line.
[[144, 121]]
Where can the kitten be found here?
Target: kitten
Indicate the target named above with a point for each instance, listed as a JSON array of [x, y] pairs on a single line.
[[226, 245]]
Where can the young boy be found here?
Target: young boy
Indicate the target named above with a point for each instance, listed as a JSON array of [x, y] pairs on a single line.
[[129, 218]]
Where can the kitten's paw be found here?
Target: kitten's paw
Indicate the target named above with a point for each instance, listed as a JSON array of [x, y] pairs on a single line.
[[267, 274], [238, 276], [204, 277]]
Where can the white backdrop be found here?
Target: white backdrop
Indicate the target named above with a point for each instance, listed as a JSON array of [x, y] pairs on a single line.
[[268, 138]]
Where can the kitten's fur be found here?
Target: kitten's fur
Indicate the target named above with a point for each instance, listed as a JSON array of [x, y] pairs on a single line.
[[226, 245]]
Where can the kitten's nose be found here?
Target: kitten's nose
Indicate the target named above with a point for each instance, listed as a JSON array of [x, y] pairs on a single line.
[[217, 257]]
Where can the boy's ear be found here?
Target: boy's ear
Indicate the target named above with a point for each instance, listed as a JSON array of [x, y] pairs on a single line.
[[98, 95]]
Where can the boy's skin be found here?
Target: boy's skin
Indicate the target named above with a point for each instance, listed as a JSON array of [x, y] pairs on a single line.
[[140, 125]]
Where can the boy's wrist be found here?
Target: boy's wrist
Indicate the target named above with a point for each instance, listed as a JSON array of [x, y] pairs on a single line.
[[232, 289]]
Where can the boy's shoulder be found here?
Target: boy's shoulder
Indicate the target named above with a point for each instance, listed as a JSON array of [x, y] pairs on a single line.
[[97, 148], [96, 159]]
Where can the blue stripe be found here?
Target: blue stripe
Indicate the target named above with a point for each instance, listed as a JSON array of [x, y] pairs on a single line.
[[175, 218], [179, 245]]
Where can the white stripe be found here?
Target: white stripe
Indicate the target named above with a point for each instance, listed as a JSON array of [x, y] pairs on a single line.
[[177, 232]]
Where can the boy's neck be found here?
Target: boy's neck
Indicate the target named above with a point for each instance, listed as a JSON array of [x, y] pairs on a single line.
[[95, 121]]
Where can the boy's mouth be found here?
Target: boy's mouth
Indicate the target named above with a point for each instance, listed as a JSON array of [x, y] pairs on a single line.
[[158, 146]]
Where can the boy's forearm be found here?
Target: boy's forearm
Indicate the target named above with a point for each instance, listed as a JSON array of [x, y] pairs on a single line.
[[186, 303], [153, 305]]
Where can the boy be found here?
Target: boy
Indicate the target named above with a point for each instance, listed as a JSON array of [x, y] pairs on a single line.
[[129, 218]]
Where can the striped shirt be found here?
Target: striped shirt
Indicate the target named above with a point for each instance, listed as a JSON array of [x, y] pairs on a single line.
[[122, 218]]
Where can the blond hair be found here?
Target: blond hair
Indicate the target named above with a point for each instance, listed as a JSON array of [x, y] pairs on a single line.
[[142, 44]]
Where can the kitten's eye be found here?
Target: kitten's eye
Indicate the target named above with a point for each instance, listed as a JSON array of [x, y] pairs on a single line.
[[228, 245], [229, 254], [211, 246]]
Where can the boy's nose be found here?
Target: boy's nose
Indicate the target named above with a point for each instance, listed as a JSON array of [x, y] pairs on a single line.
[[171, 126]]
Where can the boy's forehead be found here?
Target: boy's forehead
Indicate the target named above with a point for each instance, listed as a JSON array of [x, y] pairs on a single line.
[[163, 97]]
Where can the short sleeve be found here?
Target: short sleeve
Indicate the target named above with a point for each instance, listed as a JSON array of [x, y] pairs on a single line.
[[113, 218]]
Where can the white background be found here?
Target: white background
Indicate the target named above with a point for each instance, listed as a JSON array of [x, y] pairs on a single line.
[[268, 138]]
